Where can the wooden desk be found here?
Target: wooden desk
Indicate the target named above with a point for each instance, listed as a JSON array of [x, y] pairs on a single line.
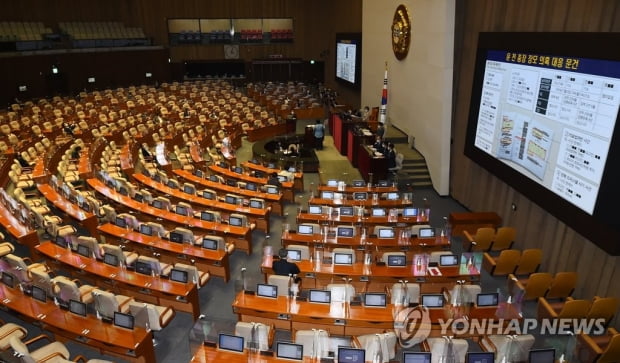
[[205, 354], [368, 164], [365, 220], [155, 290], [240, 236], [273, 200], [134, 346], [260, 217], [260, 133], [372, 277], [348, 189], [367, 203], [286, 188], [298, 181], [470, 222], [24, 234], [86, 219], [215, 262]]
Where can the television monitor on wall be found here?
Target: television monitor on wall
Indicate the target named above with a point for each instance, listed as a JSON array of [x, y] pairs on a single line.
[[349, 59], [543, 117]]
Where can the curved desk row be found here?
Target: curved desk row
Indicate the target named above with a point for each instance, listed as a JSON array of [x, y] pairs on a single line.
[[286, 188], [298, 180], [305, 217], [86, 219]]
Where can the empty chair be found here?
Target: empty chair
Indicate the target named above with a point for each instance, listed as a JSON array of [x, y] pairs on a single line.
[[504, 238], [8, 331], [185, 209], [109, 214], [404, 293], [481, 241], [106, 303], [158, 268], [529, 262], [92, 244], [341, 292], [532, 288], [508, 348], [200, 278], [315, 342], [256, 335], [41, 278], [161, 201], [66, 289], [20, 267], [303, 249], [569, 309], [380, 345], [131, 220], [242, 220], [284, 283], [157, 229], [124, 258], [603, 308], [150, 316], [51, 352], [562, 286], [600, 349], [188, 235], [504, 264], [446, 349], [222, 245]]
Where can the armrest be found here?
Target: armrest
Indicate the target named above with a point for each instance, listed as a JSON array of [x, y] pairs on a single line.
[[513, 282], [587, 348], [80, 358], [485, 343], [163, 314], [37, 338], [545, 310], [272, 334], [355, 343], [53, 357], [121, 305], [425, 347], [16, 328], [488, 263], [230, 247]]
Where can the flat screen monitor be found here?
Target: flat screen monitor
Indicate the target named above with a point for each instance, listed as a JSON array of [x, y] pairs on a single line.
[[375, 299], [198, 173], [77, 307], [123, 191], [182, 210], [208, 195], [293, 255], [378, 212], [266, 290], [490, 299], [39, 293], [121, 222], [432, 300], [229, 342], [480, 357], [84, 251], [143, 268], [158, 204], [224, 165], [382, 183], [110, 259], [305, 229], [350, 355], [209, 243], [123, 320], [256, 204], [251, 186], [61, 241], [360, 195], [327, 194], [448, 260], [410, 212], [146, 229], [8, 279], [385, 233], [315, 209], [348, 59], [235, 221], [172, 184], [138, 197], [207, 216], [176, 237], [259, 174], [254, 161], [271, 166], [289, 351], [396, 260], [358, 183], [346, 231], [392, 196], [282, 178], [542, 355], [416, 357], [189, 189], [320, 296], [332, 183], [238, 170], [231, 182], [343, 258], [346, 211], [230, 199], [292, 169], [272, 190], [214, 178], [178, 275], [426, 233], [543, 119]]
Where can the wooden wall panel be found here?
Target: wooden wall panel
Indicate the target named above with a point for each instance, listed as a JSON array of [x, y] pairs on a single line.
[[474, 187]]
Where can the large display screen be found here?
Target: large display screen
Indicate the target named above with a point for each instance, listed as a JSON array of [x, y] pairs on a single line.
[[543, 117], [348, 58]]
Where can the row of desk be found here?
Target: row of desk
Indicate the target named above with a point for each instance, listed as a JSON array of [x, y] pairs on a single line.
[[286, 188]]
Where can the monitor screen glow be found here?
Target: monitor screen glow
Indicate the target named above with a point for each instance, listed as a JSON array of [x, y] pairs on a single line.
[[230, 342], [348, 355], [121, 222], [410, 212], [146, 229], [392, 196], [178, 275], [319, 296], [235, 221], [327, 195], [207, 216], [272, 190], [426, 232], [397, 260], [189, 189], [386, 233], [374, 299], [304, 229], [491, 299], [378, 212], [266, 290], [293, 255], [315, 209], [181, 210], [289, 351], [416, 357], [345, 231], [256, 204], [481, 357], [209, 244], [208, 195], [360, 196], [250, 186], [332, 183], [346, 211], [358, 183], [432, 301], [448, 260], [343, 258], [123, 320]]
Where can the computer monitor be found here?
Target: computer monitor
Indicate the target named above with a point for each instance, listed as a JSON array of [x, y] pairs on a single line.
[[254, 161], [256, 204], [332, 183], [410, 212], [305, 229], [230, 199], [189, 189], [214, 178], [110, 259], [343, 258], [259, 174], [39, 293], [238, 170], [315, 209], [396, 260], [293, 255], [146, 229], [251, 186], [375, 299], [198, 173], [123, 320], [432, 300], [224, 165], [233, 343], [360, 196], [426, 233], [61, 241], [448, 260], [320, 296], [490, 299], [235, 221], [480, 357], [272, 190], [8, 279], [345, 231], [207, 216], [416, 357], [378, 212], [209, 243], [231, 182], [158, 204], [546, 355], [292, 169], [346, 211], [121, 222], [382, 183], [176, 237], [271, 166], [123, 191], [208, 195], [350, 355], [392, 196], [282, 178], [172, 184], [327, 194], [385, 233], [84, 251], [182, 210], [86, 207], [138, 197], [358, 183], [143, 268], [289, 351], [266, 290], [77, 307], [178, 275]]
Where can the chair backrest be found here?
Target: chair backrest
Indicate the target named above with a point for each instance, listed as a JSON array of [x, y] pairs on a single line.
[[397, 294], [42, 279], [537, 285], [157, 228], [188, 235], [18, 267], [193, 274], [153, 262], [115, 251], [255, 335], [507, 262], [92, 244], [341, 292], [105, 303], [511, 348], [66, 289], [484, 237], [379, 345], [612, 351], [504, 238], [109, 213], [529, 262], [444, 350], [315, 342], [282, 282], [562, 286], [464, 294], [131, 220], [603, 307], [305, 250], [574, 309]]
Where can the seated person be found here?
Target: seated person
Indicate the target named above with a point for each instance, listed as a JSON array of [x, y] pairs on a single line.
[[282, 266], [22, 162], [75, 154], [144, 149], [273, 180]]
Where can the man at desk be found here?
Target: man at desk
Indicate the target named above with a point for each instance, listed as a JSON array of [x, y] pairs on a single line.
[[282, 266], [273, 180]]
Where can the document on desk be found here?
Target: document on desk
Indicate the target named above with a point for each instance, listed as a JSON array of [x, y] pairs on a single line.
[[434, 271]]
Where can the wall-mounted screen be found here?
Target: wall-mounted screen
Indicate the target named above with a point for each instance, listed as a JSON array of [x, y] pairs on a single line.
[[543, 119], [348, 58]]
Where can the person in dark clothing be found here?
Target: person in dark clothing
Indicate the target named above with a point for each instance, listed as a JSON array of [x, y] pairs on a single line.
[[273, 180], [391, 156], [146, 153], [282, 266], [75, 154], [378, 145], [380, 130], [22, 162], [319, 134]]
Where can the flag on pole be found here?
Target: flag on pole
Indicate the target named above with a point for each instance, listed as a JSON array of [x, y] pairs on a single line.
[[384, 95]]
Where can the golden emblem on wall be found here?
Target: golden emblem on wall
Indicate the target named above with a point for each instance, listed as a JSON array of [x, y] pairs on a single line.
[[401, 32]]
